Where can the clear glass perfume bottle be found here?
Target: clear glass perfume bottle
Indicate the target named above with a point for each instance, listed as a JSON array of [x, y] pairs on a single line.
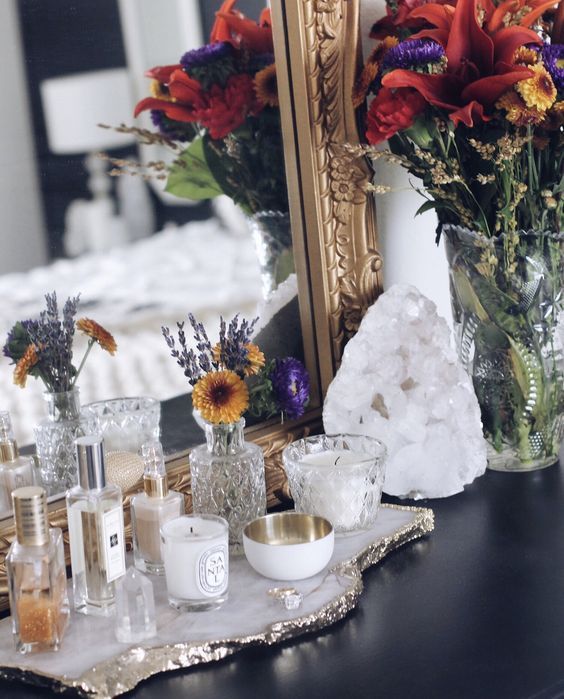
[[37, 580], [95, 521], [15, 471], [151, 509]]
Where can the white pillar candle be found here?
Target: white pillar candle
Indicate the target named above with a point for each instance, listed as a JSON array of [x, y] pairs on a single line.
[[196, 561]]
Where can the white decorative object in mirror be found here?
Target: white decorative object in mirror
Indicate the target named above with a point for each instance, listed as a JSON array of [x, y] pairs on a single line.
[[400, 381], [74, 106]]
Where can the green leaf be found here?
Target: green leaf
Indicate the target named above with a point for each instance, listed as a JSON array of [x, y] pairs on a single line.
[[466, 294], [427, 206], [191, 177], [224, 168]]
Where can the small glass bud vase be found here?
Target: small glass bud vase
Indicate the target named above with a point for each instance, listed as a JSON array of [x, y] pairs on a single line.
[[54, 437], [228, 479]]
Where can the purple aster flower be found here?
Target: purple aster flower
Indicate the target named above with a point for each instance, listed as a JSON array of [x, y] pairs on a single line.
[[171, 129], [202, 57], [290, 384], [413, 54], [553, 59], [211, 64]]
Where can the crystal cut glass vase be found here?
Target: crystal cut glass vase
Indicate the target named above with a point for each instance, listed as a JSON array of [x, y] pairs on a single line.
[[506, 299], [228, 479], [54, 437], [272, 236]]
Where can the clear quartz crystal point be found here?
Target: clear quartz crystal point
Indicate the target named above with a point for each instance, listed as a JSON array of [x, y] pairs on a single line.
[[135, 608]]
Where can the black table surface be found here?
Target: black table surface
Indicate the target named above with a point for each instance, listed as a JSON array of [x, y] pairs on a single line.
[[476, 609]]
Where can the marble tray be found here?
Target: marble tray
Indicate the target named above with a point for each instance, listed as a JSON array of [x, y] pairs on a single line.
[[92, 662]]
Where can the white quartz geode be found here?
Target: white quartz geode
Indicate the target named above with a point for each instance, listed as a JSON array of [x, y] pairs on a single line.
[[400, 381]]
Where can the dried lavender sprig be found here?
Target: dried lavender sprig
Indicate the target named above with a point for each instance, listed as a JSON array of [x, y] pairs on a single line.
[[185, 358], [234, 352], [203, 344], [53, 338]]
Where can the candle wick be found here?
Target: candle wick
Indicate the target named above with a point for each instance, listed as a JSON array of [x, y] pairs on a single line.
[[191, 530], [336, 460]]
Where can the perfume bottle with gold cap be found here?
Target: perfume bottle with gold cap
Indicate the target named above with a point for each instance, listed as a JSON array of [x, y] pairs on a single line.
[[151, 509], [15, 471], [95, 521], [36, 575]]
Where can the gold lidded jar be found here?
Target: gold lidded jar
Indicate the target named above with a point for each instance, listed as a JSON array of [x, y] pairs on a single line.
[[36, 575]]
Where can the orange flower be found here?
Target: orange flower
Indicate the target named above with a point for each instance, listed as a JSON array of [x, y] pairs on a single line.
[[266, 86], [24, 365], [221, 396], [98, 334], [517, 112], [538, 91], [255, 359]]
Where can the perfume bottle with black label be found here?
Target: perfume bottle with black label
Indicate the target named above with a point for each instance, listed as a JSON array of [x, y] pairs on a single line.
[[95, 521]]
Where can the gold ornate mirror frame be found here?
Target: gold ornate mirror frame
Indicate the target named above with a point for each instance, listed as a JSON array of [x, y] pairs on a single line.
[[333, 224]]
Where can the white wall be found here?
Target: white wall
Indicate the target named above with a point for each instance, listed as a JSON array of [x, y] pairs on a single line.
[[22, 234], [407, 243]]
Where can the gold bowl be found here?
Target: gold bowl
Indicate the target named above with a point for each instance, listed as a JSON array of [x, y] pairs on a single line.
[[289, 545]]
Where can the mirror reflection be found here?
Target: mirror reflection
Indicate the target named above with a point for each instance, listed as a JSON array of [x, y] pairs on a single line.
[[139, 256]]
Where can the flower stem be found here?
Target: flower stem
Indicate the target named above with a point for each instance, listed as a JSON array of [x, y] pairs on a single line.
[[90, 343]]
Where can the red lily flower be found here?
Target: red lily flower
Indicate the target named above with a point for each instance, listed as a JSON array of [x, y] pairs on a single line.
[[186, 95], [232, 26], [479, 68], [393, 22], [162, 73]]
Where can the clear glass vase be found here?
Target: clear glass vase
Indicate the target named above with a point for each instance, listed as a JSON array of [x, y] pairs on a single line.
[[228, 479], [54, 437], [506, 299], [272, 236]]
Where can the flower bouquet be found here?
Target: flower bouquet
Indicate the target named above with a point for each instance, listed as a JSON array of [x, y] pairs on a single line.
[[229, 378], [470, 96], [217, 109], [43, 348]]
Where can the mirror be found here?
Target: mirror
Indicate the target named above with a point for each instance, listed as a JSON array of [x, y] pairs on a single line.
[[338, 265], [139, 257]]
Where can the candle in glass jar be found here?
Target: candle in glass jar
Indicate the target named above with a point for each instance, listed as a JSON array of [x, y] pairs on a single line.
[[336, 495], [196, 561], [338, 477]]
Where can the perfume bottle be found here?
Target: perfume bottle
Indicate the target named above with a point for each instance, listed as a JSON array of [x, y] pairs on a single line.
[[37, 580], [151, 509], [95, 521], [15, 471]]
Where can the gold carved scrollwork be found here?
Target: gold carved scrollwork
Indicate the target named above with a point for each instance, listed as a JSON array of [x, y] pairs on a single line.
[[344, 221]]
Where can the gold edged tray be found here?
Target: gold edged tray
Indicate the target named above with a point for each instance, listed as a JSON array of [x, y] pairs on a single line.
[[181, 642]]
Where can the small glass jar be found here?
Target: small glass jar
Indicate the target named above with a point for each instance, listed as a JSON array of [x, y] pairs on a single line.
[[54, 438], [339, 477], [227, 476], [124, 423]]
